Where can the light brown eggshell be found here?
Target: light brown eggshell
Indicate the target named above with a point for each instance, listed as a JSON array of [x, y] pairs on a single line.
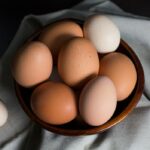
[[32, 64], [54, 103], [121, 70], [78, 62], [56, 34], [98, 101]]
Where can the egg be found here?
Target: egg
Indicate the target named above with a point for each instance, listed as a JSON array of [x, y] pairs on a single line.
[[78, 62], [121, 70], [54, 103], [103, 33], [98, 101], [3, 114], [32, 64], [56, 34]]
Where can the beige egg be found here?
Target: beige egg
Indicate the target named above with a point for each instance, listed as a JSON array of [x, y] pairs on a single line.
[[121, 70], [56, 34], [54, 103], [32, 64], [98, 101], [78, 62]]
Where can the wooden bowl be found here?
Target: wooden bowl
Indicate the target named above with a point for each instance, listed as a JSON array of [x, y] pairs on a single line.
[[75, 128]]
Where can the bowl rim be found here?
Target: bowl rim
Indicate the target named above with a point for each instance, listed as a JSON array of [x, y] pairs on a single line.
[[98, 129]]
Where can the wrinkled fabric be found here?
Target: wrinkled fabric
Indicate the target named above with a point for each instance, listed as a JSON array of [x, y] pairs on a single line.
[[20, 133]]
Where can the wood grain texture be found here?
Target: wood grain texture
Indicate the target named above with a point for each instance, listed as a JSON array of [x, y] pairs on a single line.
[[75, 127]]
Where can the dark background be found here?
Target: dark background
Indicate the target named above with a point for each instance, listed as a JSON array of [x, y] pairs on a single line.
[[12, 12]]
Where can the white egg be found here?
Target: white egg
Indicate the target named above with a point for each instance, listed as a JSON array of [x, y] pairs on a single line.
[[3, 114], [102, 32]]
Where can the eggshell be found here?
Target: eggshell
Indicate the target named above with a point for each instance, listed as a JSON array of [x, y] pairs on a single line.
[[32, 64], [56, 34], [103, 33], [98, 101], [121, 70], [3, 114], [78, 62], [54, 103]]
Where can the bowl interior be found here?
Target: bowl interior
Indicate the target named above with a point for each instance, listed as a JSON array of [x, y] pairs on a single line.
[[75, 127]]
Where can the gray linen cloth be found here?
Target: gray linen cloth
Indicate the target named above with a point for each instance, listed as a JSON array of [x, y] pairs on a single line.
[[19, 133]]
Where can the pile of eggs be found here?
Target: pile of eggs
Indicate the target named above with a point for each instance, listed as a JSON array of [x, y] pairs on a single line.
[[75, 72]]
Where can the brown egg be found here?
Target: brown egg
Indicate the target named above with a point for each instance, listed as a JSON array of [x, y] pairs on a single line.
[[78, 62], [32, 64], [121, 70], [56, 34], [54, 103]]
